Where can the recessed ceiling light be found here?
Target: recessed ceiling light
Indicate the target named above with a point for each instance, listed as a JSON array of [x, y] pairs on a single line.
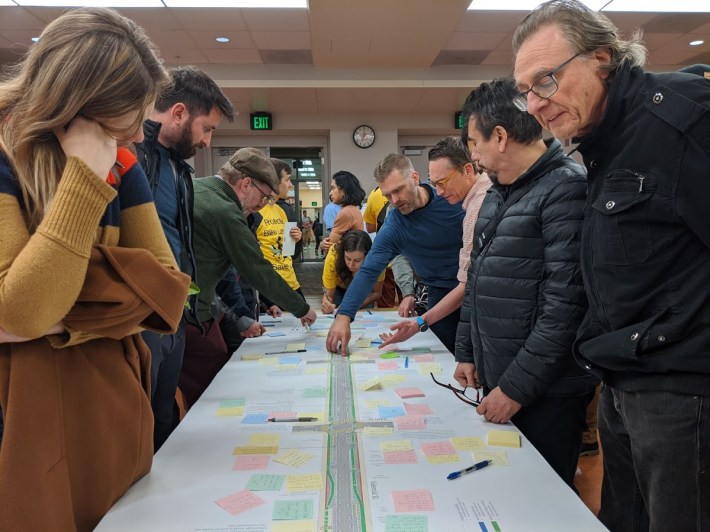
[[222, 39], [35, 39], [696, 43]]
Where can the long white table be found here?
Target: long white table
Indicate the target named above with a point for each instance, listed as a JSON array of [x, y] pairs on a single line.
[[373, 461]]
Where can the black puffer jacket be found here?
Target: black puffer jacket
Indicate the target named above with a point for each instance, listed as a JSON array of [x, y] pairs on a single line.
[[524, 296]]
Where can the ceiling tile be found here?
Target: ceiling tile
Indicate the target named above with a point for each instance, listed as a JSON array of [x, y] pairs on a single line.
[[287, 57], [461, 40], [654, 41], [238, 56], [499, 57], [277, 19], [490, 21], [282, 40], [213, 18], [460, 57], [18, 18], [676, 22], [206, 39]]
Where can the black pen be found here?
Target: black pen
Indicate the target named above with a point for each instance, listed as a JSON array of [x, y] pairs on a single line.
[[474, 467], [291, 419], [287, 352]]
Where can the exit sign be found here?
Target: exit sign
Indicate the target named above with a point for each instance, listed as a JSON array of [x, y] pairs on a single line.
[[458, 120], [260, 121]]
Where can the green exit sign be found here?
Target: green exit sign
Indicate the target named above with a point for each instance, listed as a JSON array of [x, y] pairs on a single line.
[[458, 120], [261, 121]]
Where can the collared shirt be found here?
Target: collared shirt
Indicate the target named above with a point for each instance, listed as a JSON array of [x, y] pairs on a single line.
[[472, 205]]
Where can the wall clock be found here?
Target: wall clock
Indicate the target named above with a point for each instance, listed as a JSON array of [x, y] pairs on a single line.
[[364, 136]]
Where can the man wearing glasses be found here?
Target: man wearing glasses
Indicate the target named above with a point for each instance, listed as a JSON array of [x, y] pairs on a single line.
[[645, 139], [455, 179], [524, 297], [242, 186]]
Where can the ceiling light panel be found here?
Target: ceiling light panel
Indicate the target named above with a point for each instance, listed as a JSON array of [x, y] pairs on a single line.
[[87, 3], [303, 4]]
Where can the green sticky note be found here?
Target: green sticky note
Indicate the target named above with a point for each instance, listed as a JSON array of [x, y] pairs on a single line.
[[230, 403], [406, 523], [292, 510], [262, 482], [389, 354], [314, 393]]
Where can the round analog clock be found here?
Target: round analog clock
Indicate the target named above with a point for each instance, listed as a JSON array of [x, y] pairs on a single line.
[[364, 136]]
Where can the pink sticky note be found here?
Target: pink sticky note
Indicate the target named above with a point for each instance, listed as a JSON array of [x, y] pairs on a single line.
[[385, 365], [240, 502], [417, 410], [413, 501], [428, 357], [251, 462], [400, 457], [408, 393], [282, 414], [438, 448], [410, 423]]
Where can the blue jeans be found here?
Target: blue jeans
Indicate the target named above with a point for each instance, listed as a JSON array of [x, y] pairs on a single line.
[[656, 448], [166, 361]]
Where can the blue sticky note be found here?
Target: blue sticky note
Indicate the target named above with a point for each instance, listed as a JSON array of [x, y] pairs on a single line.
[[289, 360], [255, 419], [391, 411], [276, 333]]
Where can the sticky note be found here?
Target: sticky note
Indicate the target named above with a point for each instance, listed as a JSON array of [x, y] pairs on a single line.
[[429, 367], [503, 438], [252, 356], [301, 483], [410, 423], [413, 501], [294, 458], [261, 449], [292, 510], [287, 413], [396, 445], [389, 354], [363, 342], [438, 448], [264, 482], [289, 361], [302, 525], [391, 379], [240, 502], [388, 412], [315, 392], [387, 365], [254, 419], [374, 403], [318, 370], [369, 384], [269, 360], [251, 462], [499, 458], [275, 333], [358, 358], [400, 457], [417, 410], [322, 334], [463, 443], [320, 416], [377, 431], [295, 347], [230, 403], [406, 523], [427, 357], [443, 459], [263, 439], [232, 411], [408, 393]]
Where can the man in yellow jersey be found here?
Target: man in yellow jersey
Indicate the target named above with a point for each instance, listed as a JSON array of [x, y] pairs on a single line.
[[270, 223]]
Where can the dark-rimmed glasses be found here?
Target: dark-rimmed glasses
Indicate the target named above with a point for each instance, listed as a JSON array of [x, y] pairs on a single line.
[[265, 198], [544, 87], [461, 394]]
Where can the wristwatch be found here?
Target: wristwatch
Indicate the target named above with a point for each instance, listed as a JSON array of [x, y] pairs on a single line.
[[423, 325]]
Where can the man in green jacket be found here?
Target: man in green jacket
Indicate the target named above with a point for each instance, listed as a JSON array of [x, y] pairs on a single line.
[[243, 185]]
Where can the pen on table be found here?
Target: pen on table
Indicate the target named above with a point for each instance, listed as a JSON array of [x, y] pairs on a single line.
[[369, 312], [474, 467], [406, 362], [291, 419], [287, 352]]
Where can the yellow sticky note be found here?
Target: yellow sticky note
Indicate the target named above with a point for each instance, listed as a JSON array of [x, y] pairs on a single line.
[[322, 334], [503, 438], [302, 525], [269, 360], [319, 415], [315, 370], [295, 347], [376, 403], [498, 458], [363, 342], [462, 443], [264, 440], [378, 431], [429, 367], [230, 411], [370, 384], [293, 458], [392, 380], [396, 445], [357, 358], [300, 483], [443, 458], [283, 367], [258, 449], [252, 356]]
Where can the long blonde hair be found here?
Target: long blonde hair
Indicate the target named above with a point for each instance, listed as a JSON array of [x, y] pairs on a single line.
[[89, 61]]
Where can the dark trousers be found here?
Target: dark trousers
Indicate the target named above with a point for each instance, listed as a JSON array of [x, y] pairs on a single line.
[[554, 425], [166, 352], [204, 357], [391, 294], [656, 448], [445, 328]]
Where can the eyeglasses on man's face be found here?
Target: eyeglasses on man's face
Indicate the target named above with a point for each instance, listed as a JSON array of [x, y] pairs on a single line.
[[468, 395], [544, 87], [442, 182], [265, 198]]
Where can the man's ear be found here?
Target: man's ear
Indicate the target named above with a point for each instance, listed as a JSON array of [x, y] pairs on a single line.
[[415, 176], [179, 113], [501, 136], [603, 57]]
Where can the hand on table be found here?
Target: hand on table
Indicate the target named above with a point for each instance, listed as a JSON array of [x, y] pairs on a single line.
[[326, 307], [405, 330], [254, 330], [339, 335], [274, 311], [309, 318]]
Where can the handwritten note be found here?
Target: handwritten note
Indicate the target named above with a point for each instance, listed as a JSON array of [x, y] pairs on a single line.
[[256, 450], [295, 347], [413, 501], [263, 439], [303, 525], [293, 510], [406, 523], [254, 419], [443, 459], [252, 356], [370, 384], [363, 342], [499, 458], [377, 431], [396, 445], [408, 393], [427, 357], [463, 443], [429, 367], [400, 457], [301, 483], [410, 423], [374, 403], [251, 462], [387, 412], [417, 410], [438, 448], [294, 458], [263, 482], [240, 502], [387, 365], [232, 411]]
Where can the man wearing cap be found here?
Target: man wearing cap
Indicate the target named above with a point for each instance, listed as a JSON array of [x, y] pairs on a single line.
[[242, 186]]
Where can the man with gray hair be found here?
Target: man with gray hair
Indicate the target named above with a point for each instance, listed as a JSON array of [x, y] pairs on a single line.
[[244, 184], [645, 257], [423, 227]]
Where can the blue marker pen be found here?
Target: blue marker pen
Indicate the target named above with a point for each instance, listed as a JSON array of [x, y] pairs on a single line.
[[474, 467]]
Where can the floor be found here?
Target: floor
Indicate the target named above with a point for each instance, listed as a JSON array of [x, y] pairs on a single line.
[[588, 483]]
